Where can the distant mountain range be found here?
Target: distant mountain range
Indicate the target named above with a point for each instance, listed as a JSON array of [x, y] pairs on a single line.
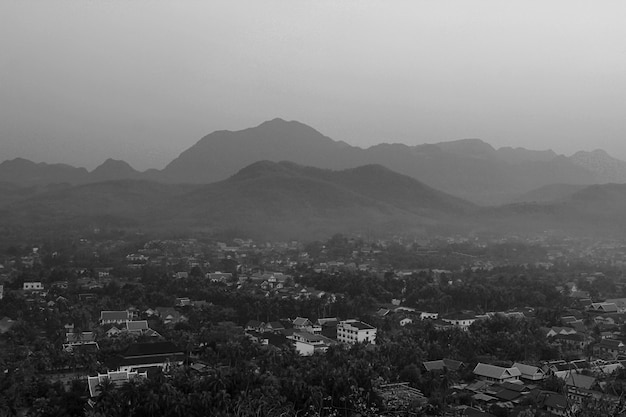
[[286, 200], [264, 199], [468, 168]]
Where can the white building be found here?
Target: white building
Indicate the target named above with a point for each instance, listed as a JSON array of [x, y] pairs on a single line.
[[117, 378], [33, 286], [354, 331], [308, 343]]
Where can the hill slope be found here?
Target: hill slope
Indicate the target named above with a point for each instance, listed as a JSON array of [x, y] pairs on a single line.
[[265, 198]]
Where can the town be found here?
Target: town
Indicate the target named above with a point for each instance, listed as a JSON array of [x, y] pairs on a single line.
[[120, 324]]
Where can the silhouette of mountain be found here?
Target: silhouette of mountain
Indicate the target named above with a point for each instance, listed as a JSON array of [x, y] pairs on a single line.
[[221, 154], [604, 167], [287, 200], [112, 169], [468, 168], [267, 198], [25, 173]]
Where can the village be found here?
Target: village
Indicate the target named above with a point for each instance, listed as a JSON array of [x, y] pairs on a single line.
[[457, 327]]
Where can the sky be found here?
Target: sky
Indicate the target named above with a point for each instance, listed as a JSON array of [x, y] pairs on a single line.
[[143, 80]]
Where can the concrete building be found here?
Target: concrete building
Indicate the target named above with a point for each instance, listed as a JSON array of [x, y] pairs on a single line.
[[355, 331]]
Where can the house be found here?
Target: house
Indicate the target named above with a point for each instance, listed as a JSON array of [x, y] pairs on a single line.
[[441, 364], [355, 331], [182, 302], [302, 323], [570, 342], [137, 327], [604, 307], [609, 348], [74, 339], [461, 320], [255, 325], [328, 321], [553, 331], [273, 326], [33, 286], [220, 276], [529, 372], [619, 302], [170, 315], [117, 378], [113, 331], [426, 315], [307, 344], [496, 373], [574, 379], [140, 356], [114, 317]]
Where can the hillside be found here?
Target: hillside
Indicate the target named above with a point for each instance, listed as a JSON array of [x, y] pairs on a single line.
[[265, 198]]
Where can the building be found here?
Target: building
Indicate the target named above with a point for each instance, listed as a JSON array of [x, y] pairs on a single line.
[[116, 378], [115, 317], [73, 340], [529, 372], [496, 373], [460, 320], [140, 356], [308, 343], [355, 331], [33, 286], [443, 364]]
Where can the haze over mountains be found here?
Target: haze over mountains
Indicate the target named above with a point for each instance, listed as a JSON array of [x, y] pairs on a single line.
[[286, 179], [468, 168], [265, 198]]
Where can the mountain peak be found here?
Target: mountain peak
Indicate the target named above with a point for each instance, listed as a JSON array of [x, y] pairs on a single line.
[[595, 153], [476, 148], [113, 169], [17, 162], [604, 167], [111, 163]]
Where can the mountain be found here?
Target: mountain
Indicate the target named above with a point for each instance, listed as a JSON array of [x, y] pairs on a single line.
[[221, 154], [468, 168], [266, 198], [286, 200], [604, 167], [113, 169], [27, 173]]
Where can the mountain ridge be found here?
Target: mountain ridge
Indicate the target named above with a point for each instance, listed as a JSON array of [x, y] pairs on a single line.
[[468, 168]]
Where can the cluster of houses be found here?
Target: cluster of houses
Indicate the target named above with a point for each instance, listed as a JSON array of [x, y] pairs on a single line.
[[513, 386], [308, 337], [140, 359]]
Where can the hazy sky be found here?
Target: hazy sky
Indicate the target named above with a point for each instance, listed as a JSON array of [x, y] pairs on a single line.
[[142, 80]]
